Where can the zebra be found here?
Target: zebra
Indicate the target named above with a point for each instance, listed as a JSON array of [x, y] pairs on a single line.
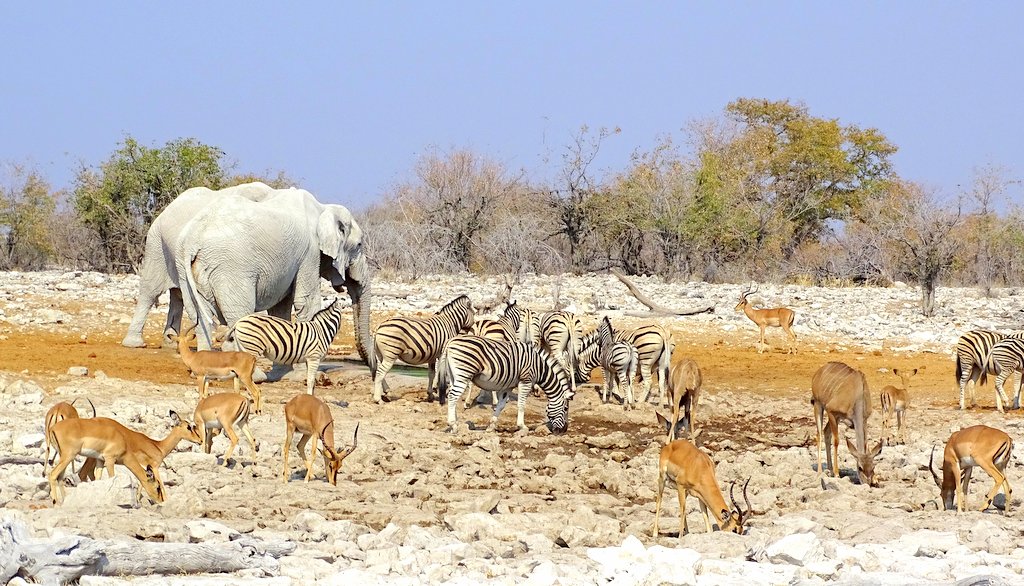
[[559, 334], [503, 366], [654, 348], [417, 340], [288, 342], [972, 350], [619, 360], [512, 326], [1005, 358]]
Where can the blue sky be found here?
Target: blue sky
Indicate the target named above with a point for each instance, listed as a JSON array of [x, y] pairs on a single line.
[[346, 96]]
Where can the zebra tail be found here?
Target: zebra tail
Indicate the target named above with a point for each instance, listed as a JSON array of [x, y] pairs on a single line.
[[990, 364], [443, 377], [959, 370]]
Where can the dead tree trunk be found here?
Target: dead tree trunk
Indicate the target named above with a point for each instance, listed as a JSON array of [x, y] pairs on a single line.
[[655, 308]]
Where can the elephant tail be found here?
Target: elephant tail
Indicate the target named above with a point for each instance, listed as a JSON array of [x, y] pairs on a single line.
[[204, 313]]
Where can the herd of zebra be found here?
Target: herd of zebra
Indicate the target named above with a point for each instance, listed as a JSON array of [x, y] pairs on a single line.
[[518, 351], [983, 352]]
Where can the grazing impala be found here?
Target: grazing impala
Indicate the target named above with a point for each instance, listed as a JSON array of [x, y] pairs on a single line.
[[777, 317], [979, 445], [693, 472], [840, 393], [59, 412], [894, 402], [114, 443], [312, 418], [207, 364], [222, 412], [684, 384]]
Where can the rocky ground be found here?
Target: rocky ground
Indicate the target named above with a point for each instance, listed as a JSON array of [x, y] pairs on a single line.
[[416, 505]]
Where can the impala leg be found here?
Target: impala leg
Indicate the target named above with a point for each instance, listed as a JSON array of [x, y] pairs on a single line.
[[248, 436], [833, 427], [236, 383], [760, 345], [657, 500], [254, 391], [230, 432], [821, 431], [57, 477], [900, 420], [999, 483], [683, 528], [961, 487], [207, 439], [707, 516], [289, 431], [383, 368], [312, 454]]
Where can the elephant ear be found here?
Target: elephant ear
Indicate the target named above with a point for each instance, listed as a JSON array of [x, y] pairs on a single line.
[[332, 230]]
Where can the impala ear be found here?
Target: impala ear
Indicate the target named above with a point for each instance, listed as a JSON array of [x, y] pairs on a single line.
[[174, 417], [853, 449], [663, 421], [877, 450]]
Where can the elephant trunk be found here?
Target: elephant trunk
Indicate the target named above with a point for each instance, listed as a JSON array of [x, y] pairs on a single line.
[[359, 292]]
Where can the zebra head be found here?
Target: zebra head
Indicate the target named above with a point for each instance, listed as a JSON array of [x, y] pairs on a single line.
[[558, 399]]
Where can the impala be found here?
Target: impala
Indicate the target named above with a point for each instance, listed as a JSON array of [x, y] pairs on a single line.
[[312, 418], [207, 364], [693, 472], [776, 317], [684, 384], [979, 445], [222, 412], [59, 412], [894, 402], [114, 443], [840, 393]]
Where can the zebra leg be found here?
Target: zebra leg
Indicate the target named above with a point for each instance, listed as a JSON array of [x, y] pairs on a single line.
[[312, 366], [645, 379], [965, 377], [455, 391], [1020, 386], [378, 381], [524, 392], [628, 385], [1000, 394], [498, 408], [607, 386], [431, 371]]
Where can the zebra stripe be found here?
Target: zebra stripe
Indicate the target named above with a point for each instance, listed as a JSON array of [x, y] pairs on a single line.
[[560, 332], [654, 353], [972, 350], [287, 342], [510, 327], [502, 367], [1005, 358], [417, 340], [619, 360]]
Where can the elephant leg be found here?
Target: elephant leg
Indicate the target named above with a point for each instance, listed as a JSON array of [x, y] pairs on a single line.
[[175, 307]]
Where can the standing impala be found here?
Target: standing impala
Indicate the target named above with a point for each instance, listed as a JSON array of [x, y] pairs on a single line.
[[59, 412], [840, 393], [894, 403], [777, 317], [684, 389], [312, 418], [979, 445], [693, 473], [114, 443], [207, 364], [222, 412]]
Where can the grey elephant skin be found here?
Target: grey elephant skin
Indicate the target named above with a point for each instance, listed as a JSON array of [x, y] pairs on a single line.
[[239, 255], [159, 270]]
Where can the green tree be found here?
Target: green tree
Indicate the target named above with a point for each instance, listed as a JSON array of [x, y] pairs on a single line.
[[789, 173], [26, 204], [121, 198]]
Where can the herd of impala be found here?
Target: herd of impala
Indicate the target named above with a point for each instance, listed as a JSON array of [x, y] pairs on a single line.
[[839, 393]]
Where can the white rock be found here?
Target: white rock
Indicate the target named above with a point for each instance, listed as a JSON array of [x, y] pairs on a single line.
[[797, 549], [78, 371], [30, 440], [204, 530], [673, 566], [118, 491]]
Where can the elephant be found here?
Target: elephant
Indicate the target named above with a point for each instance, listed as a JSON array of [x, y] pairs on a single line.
[[240, 256], [159, 270]]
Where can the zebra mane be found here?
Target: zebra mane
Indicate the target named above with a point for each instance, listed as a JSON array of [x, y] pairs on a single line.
[[329, 307], [461, 300]]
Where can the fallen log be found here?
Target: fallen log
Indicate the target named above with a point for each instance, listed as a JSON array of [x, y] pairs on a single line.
[[20, 460], [65, 559], [655, 308]]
